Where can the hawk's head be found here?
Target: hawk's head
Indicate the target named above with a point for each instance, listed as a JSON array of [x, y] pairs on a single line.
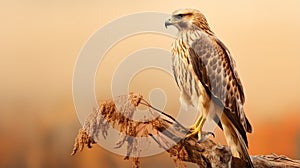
[[187, 19]]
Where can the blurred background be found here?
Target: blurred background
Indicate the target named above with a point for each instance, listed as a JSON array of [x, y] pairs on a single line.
[[40, 41]]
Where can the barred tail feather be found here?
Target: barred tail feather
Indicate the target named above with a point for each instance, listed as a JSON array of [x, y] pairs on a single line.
[[244, 151], [235, 141]]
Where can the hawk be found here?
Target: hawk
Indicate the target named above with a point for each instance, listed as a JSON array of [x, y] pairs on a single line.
[[207, 77]]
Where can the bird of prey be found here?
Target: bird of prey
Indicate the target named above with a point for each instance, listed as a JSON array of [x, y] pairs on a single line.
[[207, 77]]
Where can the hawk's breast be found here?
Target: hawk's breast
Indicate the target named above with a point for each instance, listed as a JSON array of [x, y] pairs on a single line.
[[191, 89]]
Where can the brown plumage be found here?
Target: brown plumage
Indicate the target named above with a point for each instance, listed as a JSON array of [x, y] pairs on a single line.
[[207, 78]]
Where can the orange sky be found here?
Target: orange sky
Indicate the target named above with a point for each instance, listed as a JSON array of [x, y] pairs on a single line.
[[41, 40]]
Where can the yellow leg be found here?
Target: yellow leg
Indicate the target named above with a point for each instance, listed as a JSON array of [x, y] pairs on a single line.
[[197, 127], [196, 124]]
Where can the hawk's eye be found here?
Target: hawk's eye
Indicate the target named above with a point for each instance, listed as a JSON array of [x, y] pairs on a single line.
[[179, 16]]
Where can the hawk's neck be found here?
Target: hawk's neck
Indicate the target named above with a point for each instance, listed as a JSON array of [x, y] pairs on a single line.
[[189, 36], [184, 41]]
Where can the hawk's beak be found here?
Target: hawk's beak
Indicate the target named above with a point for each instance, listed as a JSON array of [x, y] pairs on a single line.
[[168, 22]]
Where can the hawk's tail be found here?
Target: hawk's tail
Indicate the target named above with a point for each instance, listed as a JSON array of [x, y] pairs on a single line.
[[235, 141]]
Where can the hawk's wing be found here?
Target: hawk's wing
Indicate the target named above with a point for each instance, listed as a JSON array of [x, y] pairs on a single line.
[[216, 70]]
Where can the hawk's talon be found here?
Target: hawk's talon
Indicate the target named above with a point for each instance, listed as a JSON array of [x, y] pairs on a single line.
[[197, 133], [210, 133], [193, 131], [204, 136]]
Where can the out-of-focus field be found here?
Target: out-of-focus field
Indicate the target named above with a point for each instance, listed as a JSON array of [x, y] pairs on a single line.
[[40, 41]]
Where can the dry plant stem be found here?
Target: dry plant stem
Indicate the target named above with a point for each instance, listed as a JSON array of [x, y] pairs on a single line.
[[166, 129]]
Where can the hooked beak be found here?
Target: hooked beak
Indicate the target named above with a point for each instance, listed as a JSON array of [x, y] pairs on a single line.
[[168, 22]]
